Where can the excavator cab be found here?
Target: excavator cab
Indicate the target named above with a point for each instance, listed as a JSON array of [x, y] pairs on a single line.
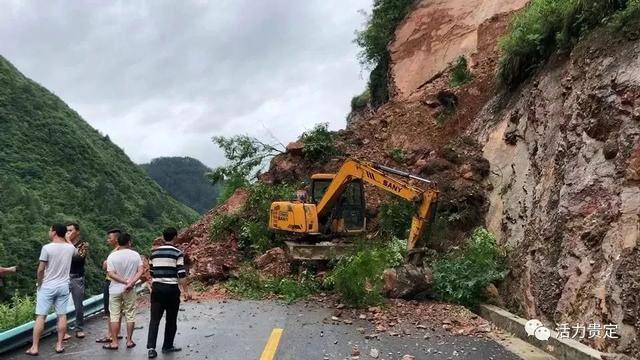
[[348, 216], [336, 206]]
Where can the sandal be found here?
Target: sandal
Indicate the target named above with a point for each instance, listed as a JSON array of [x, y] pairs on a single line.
[[132, 345], [28, 352], [109, 347], [80, 334], [105, 339], [59, 351]]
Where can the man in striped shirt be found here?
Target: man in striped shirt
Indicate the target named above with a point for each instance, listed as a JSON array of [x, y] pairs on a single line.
[[168, 273]]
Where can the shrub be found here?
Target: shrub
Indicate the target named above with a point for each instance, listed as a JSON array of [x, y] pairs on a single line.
[[318, 143], [358, 277], [461, 277], [359, 102], [460, 73], [545, 26], [380, 28], [395, 217], [16, 312], [397, 155], [223, 225]]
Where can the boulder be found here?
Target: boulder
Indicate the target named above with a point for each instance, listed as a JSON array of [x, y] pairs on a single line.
[[274, 262], [406, 280]]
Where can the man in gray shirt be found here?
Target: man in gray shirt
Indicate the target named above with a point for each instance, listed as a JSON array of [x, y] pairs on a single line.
[[53, 285]]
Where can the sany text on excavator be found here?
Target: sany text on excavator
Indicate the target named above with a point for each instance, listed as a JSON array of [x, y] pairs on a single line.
[[336, 208]]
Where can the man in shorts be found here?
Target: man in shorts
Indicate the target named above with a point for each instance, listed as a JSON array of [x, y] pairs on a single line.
[[53, 285], [124, 267], [112, 241]]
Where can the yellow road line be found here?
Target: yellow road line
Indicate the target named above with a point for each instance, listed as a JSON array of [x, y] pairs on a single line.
[[269, 352]]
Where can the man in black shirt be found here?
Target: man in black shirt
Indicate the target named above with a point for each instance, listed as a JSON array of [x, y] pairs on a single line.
[[167, 273], [76, 274]]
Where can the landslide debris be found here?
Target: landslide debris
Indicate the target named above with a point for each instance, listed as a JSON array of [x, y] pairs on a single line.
[[212, 260]]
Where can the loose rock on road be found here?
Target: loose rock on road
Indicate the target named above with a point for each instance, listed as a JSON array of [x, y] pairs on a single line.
[[248, 330]]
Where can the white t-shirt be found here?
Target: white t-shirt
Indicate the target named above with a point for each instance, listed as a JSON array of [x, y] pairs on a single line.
[[125, 263], [58, 258]]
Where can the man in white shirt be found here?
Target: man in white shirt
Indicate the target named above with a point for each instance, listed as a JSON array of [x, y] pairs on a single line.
[[53, 285], [124, 267]]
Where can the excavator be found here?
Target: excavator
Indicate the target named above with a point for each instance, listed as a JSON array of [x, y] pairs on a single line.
[[335, 210]]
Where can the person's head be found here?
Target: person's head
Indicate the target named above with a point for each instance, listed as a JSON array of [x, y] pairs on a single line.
[[57, 230], [124, 240], [73, 232], [169, 234], [112, 237]]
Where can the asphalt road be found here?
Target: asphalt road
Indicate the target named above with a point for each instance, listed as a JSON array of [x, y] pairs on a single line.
[[240, 330]]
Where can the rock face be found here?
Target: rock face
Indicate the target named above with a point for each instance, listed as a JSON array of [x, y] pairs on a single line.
[[566, 196], [435, 34]]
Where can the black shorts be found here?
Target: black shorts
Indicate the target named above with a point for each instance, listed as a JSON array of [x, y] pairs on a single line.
[[105, 296]]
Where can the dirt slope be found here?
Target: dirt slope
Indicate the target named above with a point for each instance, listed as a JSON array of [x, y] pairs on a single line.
[[435, 34]]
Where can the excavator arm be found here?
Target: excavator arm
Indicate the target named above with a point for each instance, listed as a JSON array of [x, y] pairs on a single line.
[[377, 175]]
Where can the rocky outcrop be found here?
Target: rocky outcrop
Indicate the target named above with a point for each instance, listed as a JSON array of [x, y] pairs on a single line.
[[566, 196], [435, 34]]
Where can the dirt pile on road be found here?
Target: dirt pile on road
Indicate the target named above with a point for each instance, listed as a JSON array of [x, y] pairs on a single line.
[[207, 259], [273, 263]]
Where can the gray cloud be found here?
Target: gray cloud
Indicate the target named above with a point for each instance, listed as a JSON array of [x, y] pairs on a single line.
[[162, 77]]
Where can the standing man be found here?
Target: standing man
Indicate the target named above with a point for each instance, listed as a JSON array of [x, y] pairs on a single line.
[[53, 285], [124, 267], [112, 241], [167, 266], [76, 285]]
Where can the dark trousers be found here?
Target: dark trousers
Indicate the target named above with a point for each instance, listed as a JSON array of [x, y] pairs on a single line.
[[105, 297], [76, 287], [164, 297]]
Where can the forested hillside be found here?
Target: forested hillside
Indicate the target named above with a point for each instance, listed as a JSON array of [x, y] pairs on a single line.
[[185, 179], [55, 167]]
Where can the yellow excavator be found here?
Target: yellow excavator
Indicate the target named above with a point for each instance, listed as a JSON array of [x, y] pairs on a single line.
[[336, 209]]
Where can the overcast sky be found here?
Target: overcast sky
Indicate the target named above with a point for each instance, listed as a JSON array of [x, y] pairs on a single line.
[[162, 77]]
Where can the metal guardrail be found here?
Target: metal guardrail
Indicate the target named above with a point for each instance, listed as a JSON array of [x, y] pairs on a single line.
[[23, 334]]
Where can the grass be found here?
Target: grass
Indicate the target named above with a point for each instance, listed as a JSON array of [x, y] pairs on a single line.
[[546, 26], [461, 276], [460, 73], [19, 310], [250, 285], [198, 286]]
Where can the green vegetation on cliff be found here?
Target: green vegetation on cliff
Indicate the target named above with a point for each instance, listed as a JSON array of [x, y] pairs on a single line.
[[185, 179], [374, 39], [547, 26], [57, 168]]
